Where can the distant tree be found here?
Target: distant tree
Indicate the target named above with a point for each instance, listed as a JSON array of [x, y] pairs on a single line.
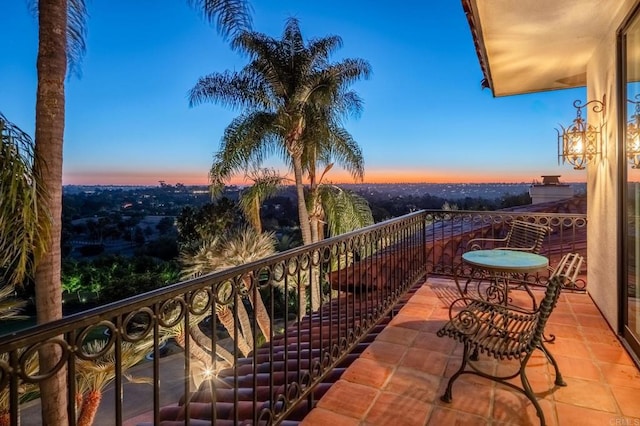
[[165, 224], [513, 200], [165, 248], [198, 224], [138, 236]]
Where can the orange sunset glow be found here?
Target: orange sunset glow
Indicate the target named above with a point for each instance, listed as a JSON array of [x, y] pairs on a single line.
[[152, 177]]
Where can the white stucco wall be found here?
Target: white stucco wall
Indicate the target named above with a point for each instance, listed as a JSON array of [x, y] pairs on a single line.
[[602, 187]]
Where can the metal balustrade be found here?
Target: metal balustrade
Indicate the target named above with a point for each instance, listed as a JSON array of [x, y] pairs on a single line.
[[259, 354], [449, 232]]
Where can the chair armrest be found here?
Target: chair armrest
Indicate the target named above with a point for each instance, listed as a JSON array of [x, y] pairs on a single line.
[[479, 243], [468, 315]]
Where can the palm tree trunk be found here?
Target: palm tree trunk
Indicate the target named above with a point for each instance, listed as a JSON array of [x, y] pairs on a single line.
[[245, 323], [90, 404], [302, 301], [50, 120], [260, 311], [257, 221], [226, 318], [204, 344], [303, 214]]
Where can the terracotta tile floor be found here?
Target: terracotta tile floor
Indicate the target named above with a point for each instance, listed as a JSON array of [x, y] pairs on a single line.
[[398, 380]]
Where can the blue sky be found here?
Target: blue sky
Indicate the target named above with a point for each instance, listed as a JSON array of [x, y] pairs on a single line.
[[425, 116]]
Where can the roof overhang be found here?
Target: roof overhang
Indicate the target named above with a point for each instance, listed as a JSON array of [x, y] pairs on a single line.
[[528, 46]]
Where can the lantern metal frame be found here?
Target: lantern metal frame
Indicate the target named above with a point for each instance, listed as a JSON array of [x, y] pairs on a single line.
[[632, 140], [580, 143]]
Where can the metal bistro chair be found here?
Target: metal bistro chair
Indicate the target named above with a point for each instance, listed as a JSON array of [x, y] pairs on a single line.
[[522, 236], [504, 332]]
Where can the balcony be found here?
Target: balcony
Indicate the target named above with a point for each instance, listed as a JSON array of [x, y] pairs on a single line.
[[367, 354]]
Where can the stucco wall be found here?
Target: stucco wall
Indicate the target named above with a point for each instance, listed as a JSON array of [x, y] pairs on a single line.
[[602, 188]]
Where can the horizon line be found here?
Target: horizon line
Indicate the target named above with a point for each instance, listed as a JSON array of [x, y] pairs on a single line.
[[332, 183]]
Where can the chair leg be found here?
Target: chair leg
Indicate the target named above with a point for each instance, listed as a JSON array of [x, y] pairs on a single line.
[[559, 380], [446, 397], [456, 279], [526, 387]]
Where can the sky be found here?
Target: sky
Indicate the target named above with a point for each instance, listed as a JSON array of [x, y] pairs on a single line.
[[425, 117]]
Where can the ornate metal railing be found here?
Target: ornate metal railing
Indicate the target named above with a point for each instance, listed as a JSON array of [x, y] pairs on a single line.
[[449, 232], [259, 352]]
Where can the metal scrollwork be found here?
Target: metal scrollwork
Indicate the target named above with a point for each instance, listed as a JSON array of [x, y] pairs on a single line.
[[172, 311], [137, 325], [32, 353], [200, 301], [106, 328]]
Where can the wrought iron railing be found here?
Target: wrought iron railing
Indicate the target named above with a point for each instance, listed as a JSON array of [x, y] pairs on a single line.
[[259, 353], [448, 234]]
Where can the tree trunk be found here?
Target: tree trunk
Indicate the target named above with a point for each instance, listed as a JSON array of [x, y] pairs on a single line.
[[260, 311], [90, 404], [257, 220], [245, 323], [225, 315], [50, 120], [303, 213], [205, 343], [302, 300]]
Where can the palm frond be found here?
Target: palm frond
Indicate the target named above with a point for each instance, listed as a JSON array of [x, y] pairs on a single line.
[[344, 211], [229, 16], [205, 260], [24, 229], [96, 374], [10, 308], [245, 143], [76, 35], [266, 183], [246, 245]]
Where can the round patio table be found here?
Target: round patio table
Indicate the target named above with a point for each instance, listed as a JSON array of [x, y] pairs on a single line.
[[506, 261], [500, 268]]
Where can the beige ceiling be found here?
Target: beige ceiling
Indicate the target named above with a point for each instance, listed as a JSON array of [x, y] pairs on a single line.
[[529, 46]]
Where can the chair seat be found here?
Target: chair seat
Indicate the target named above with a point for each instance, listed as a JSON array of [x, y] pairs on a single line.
[[502, 331], [489, 329]]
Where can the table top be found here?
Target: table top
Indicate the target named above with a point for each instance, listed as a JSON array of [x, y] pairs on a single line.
[[506, 260]]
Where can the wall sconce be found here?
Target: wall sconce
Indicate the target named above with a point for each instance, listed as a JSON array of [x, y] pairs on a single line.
[[633, 135], [580, 143]]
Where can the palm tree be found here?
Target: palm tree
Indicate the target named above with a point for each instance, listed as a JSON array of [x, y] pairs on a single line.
[[93, 375], [23, 231], [342, 211], [61, 25], [290, 95], [236, 248]]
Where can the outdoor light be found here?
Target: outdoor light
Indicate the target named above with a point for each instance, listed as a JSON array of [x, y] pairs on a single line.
[[580, 143], [633, 135]]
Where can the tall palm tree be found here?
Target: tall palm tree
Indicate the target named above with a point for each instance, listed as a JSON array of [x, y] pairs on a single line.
[[61, 26], [288, 89]]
